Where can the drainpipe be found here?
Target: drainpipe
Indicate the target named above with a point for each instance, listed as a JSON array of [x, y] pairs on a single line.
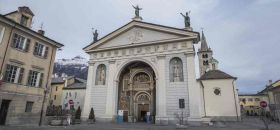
[[46, 90], [235, 100]]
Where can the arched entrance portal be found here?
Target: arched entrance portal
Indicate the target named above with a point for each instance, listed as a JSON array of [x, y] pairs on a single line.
[[137, 92]]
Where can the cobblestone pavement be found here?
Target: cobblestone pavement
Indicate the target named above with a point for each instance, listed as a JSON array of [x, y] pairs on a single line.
[[246, 124]]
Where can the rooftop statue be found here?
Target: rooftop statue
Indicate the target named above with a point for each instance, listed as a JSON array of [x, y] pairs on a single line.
[[187, 19], [137, 8], [95, 35]]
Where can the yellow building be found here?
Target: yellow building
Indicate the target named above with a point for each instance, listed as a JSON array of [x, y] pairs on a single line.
[[273, 92], [57, 85], [26, 64], [250, 103]]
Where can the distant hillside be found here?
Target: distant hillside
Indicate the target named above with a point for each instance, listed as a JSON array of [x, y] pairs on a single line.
[[76, 66]]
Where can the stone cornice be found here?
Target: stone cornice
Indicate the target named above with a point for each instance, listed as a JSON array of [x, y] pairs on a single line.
[[140, 44]]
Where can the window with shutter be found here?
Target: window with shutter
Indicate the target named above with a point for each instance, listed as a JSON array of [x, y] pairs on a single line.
[[35, 79], [41, 50], [19, 42], [23, 20], [13, 74]]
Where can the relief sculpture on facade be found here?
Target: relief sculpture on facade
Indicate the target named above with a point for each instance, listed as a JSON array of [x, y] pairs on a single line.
[[101, 75]]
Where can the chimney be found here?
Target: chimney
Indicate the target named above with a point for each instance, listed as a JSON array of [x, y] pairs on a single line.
[[42, 32], [269, 82]]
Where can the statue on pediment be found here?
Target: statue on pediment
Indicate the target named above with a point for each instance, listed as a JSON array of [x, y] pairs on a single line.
[[187, 19], [137, 9], [95, 36]]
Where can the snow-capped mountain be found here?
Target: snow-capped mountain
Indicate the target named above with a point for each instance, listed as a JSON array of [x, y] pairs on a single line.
[[78, 60], [76, 66]]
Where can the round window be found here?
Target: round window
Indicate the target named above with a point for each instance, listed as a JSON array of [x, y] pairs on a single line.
[[217, 91]]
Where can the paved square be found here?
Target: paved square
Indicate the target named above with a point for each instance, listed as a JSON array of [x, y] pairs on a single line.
[[246, 124]]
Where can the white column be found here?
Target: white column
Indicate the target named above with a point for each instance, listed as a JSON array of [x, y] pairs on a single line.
[[161, 117], [87, 102], [111, 95], [194, 90]]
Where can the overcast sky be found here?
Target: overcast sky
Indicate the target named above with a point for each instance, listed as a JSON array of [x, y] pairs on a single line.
[[244, 34]]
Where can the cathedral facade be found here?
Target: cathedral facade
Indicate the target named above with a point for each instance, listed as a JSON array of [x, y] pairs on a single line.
[[149, 69]]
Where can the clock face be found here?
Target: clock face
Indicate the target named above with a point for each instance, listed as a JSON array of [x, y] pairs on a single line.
[[217, 91]]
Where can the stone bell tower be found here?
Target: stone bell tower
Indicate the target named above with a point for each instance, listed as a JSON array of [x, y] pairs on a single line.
[[205, 56]]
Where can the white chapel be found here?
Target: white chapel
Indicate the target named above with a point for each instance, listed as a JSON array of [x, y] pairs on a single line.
[[145, 68]]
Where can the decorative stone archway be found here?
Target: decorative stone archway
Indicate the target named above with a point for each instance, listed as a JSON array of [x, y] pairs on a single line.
[[137, 91]]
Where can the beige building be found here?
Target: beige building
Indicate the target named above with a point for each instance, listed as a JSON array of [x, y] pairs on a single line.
[[26, 64]]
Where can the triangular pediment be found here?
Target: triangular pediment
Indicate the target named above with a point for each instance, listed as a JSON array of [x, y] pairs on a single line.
[[137, 32]]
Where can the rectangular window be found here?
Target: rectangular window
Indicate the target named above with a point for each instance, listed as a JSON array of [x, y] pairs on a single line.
[[250, 99], [41, 50], [54, 97], [35, 79], [257, 99], [56, 88], [23, 20], [29, 106], [20, 42], [13, 74], [2, 30]]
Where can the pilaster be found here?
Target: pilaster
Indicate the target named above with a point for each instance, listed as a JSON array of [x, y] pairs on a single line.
[[87, 104], [161, 116], [194, 90], [111, 94]]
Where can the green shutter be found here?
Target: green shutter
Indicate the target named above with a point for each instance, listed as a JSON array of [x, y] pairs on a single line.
[[29, 78], [46, 52], [41, 79], [26, 49], [20, 75], [36, 48], [15, 36], [8, 67]]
